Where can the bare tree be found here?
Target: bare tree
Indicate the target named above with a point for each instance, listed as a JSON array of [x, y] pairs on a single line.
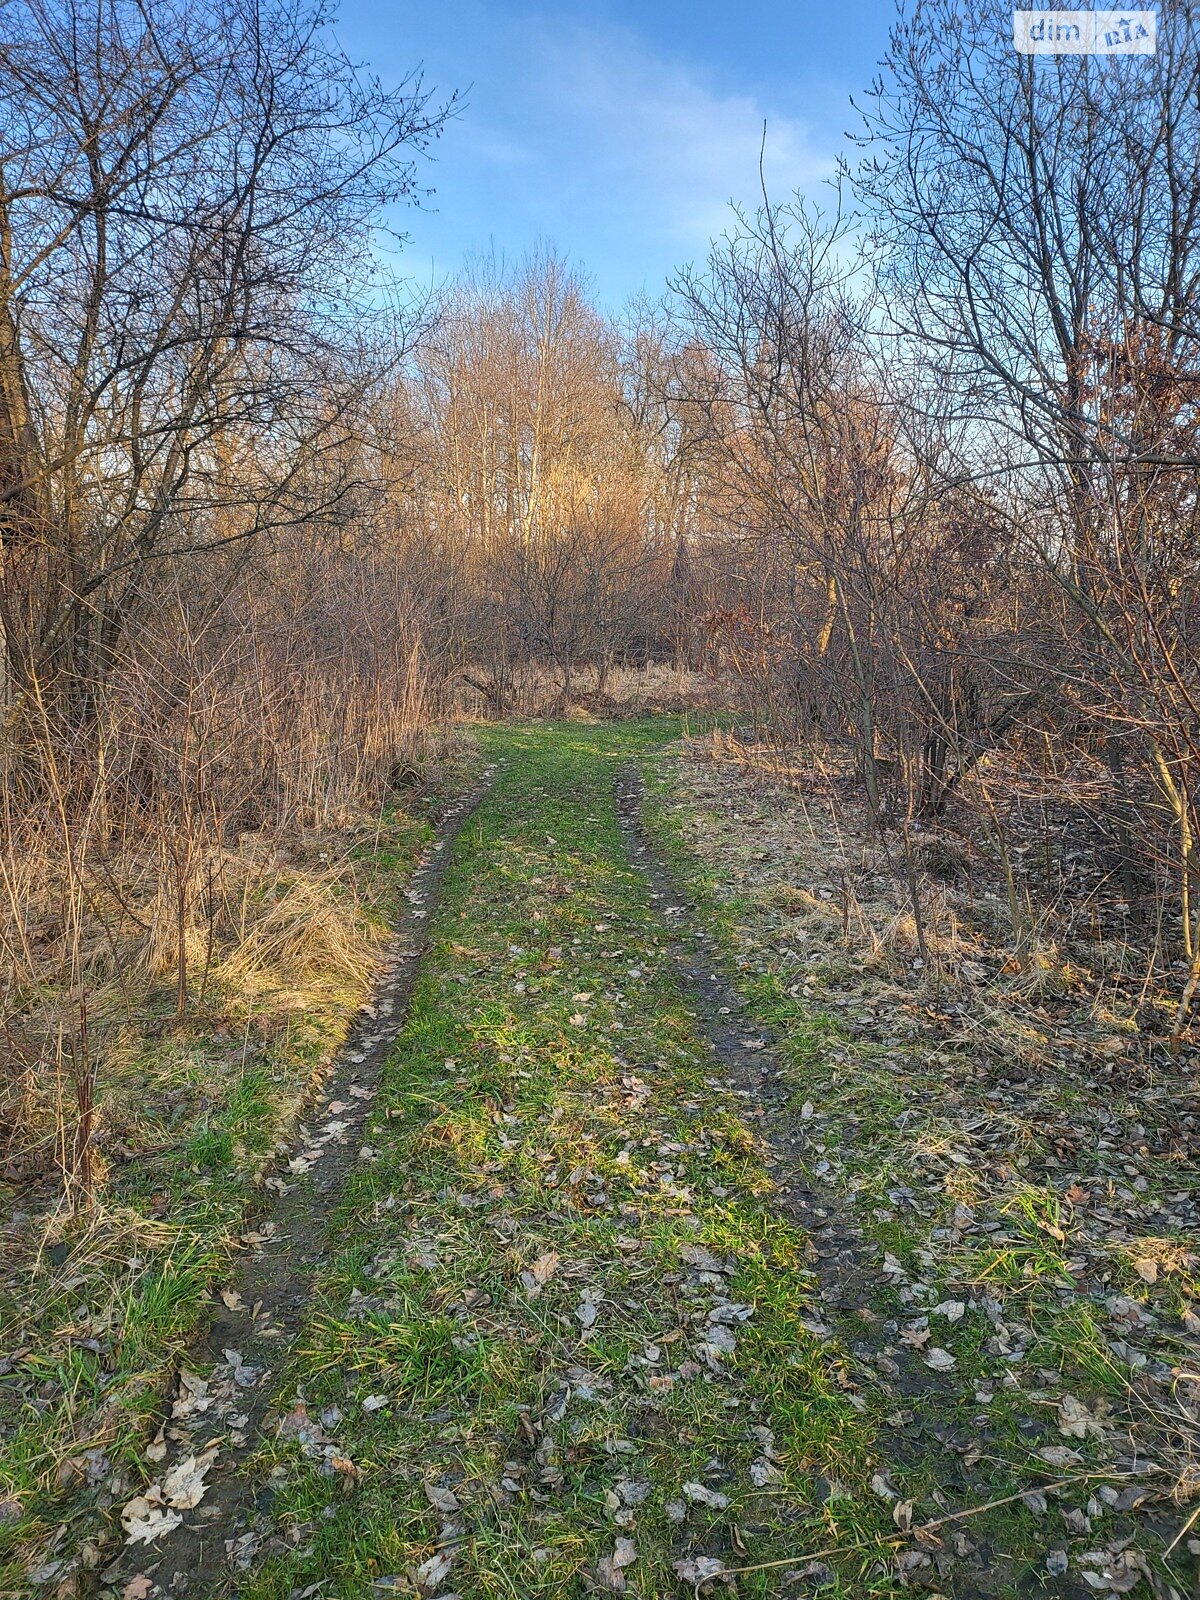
[[1041, 224], [536, 477], [186, 198]]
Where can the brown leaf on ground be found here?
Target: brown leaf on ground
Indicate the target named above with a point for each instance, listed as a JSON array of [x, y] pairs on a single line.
[[535, 1278]]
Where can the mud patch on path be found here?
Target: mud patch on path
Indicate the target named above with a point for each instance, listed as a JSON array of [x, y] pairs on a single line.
[[199, 1523]]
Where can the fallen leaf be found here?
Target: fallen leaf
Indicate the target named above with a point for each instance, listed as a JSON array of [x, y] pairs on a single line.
[[625, 1553], [632, 1492], [701, 1495], [952, 1310], [698, 1570], [535, 1278], [695, 1255], [609, 1568], [1058, 1455], [444, 1500], [1075, 1420], [431, 1574], [940, 1360], [144, 1521], [183, 1487], [817, 1574]]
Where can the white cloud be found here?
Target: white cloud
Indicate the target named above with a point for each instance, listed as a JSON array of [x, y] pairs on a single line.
[[612, 147], [661, 142]]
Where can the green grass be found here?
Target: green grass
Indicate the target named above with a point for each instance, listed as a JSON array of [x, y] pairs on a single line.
[[521, 1119]]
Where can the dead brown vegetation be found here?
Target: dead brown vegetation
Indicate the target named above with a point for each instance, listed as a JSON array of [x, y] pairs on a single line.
[[960, 469], [201, 640]]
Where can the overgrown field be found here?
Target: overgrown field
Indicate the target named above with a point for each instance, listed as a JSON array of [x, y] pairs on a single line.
[[634, 1291]]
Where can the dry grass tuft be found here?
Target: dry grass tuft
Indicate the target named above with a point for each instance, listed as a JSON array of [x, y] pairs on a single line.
[[99, 1016], [304, 932]]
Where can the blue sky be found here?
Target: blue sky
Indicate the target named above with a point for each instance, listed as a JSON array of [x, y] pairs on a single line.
[[618, 132]]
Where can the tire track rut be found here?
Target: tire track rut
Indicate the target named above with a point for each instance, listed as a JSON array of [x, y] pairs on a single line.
[[213, 1424], [919, 1430]]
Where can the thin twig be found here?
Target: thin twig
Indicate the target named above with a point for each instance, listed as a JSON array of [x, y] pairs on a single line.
[[925, 1527]]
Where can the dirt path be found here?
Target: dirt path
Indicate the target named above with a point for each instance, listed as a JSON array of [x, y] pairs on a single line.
[[748, 1053], [596, 1314], [224, 1389], [560, 1347]]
